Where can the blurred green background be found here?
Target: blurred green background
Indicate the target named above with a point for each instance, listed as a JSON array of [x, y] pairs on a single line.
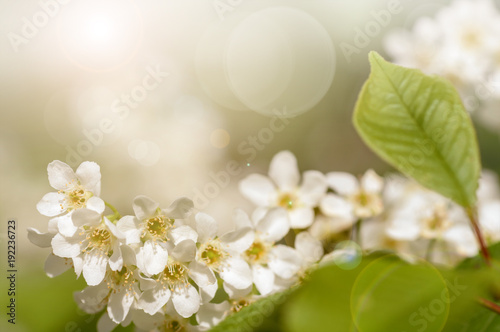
[[228, 66]]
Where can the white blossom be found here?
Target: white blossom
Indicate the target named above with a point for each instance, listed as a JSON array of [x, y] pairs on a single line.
[[282, 189]]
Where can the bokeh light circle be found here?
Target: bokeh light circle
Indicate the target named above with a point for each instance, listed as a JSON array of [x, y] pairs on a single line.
[[280, 58], [348, 255], [210, 67], [100, 35], [147, 153], [220, 138]]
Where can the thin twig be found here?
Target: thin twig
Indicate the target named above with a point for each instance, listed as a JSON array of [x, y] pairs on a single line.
[[490, 305], [475, 225]]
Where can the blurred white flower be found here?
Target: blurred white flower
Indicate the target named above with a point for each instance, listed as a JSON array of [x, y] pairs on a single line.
[[353, 198], [462, 44], [418, 48], [427, 215], [282, 189]]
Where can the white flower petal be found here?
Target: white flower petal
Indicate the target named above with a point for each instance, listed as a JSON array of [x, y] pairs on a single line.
[[78, 265], [129, 226], [344, 184], [180, 209], [55, 265], [144, 207], [236, 273], [206, 226], [89, 174], [259, 189], [128, 254], [96, 204], [116, 259], [146, 283], [94, 267], [258, 214], [463, 239], [207, 293], [105, 324], [263, 278], [113, 229], [154, 299], [51, 204], [284, 261], [60, 175], [241, 219], [186, 301], [182, 233], [211, 314], [65, 224], [91, 299], [284, 171], [301, 217], [184, 251], [85, 216], [152, 258], [146, 322], [202, 275], [239, 240], [43, 240], [119, 305], [313, 188], [52, 226], [336, 206], [403, 230], [274, 226], [66, 247], [235, 293], [371, 182], [310, 248], [489, 218]]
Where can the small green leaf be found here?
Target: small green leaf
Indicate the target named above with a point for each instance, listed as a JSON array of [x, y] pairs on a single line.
[[418, 124]]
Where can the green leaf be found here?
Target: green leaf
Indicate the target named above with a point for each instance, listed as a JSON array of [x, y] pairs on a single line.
[[262, 315], [385, 293], [418, 124]]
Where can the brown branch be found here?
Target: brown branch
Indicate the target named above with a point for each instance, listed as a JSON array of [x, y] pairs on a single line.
[[490, 305], [480, 239]]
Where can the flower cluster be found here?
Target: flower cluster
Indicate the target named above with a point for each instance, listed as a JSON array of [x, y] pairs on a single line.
[[169, 269], [461, 43]]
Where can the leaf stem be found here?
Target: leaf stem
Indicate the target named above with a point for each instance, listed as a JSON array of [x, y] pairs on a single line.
[[490, 305], [117, 214], [430, 249], [480, 239], [356, 232]]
